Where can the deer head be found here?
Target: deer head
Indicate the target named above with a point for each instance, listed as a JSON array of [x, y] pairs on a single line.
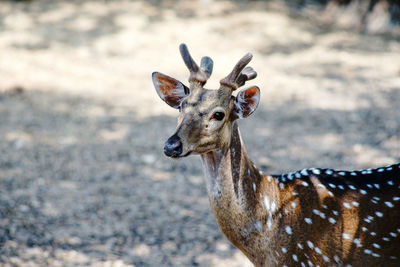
[[206, 116]]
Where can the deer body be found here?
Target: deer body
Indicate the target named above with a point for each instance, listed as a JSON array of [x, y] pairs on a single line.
[[313, 217]]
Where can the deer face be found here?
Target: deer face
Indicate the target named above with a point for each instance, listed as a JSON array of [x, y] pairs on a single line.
[[206, 116]]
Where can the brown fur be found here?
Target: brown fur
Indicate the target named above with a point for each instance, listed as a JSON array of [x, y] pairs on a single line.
[[307, 218]]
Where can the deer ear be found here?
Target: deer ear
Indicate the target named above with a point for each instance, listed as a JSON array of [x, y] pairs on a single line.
[[246, 101], [170, 90]]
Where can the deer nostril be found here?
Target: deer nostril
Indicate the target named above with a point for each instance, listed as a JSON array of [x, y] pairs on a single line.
[[178, 147], [173, 146]]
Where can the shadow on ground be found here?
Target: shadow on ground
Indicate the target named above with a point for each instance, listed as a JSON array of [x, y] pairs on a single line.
[[86, 177], [85, 182]]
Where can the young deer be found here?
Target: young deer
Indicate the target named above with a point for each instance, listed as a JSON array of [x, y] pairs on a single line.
[[312, 217]]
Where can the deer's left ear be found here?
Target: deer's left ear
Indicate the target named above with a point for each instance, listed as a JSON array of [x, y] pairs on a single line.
[[246, 101], [170, 90]]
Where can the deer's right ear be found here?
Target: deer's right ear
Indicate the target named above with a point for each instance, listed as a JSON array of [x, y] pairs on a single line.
[[170, 90]]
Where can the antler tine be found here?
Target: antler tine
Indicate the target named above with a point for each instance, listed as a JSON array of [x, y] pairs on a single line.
[[197, 74], [207, 66], [237, 78], [247, 74], [187, 58]]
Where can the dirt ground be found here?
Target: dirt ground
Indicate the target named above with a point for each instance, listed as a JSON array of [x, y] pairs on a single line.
[[83, 180]]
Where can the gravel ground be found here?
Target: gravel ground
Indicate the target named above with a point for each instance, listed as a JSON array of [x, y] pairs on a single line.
[[83, 181]]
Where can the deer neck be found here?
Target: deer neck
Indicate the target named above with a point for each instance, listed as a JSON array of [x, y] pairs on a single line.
[[234, 188], [226, 169]]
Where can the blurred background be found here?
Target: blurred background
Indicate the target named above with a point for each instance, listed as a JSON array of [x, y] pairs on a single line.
[[83, 179]]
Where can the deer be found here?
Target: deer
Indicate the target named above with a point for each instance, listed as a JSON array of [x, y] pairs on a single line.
[[310, 217]]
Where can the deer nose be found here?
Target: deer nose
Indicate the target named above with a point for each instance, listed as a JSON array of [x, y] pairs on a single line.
[[173, 146]]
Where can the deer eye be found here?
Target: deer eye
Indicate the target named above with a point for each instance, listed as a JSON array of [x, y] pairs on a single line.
[[218, 116]]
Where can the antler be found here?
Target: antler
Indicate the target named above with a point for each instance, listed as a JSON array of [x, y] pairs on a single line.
[[197, 75], [239, 74]]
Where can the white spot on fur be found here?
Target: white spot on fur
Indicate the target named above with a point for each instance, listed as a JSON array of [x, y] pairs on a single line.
[[316, 171], [346, 236], [273, 207], [389, 204], [346, 205], [304, 183], [376, 245], [288, 230], [357, 241], [267, 203], [331, 220], [329, 172], [269, 221], [367, 251], [326, 259]]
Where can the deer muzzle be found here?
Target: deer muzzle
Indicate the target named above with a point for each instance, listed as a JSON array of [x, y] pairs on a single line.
[[173, 147]]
